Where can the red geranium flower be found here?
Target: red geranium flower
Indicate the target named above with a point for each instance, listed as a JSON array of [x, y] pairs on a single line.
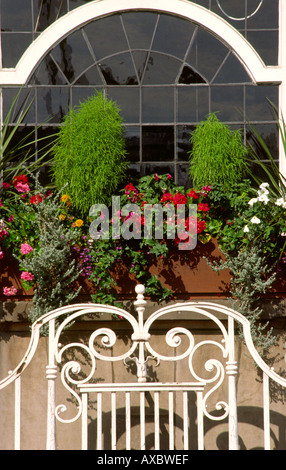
[[166, 197], [20, 179], [193, 194], [36, 199], [179, 199], [203, 207]]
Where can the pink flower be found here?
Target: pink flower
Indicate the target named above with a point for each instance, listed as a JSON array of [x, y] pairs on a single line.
[[22, 187], [5, 185], [26, 276], [9, 290], [25, 248], [1, 254]]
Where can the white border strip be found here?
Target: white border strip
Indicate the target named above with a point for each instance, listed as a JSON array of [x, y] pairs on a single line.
[[100, 8]]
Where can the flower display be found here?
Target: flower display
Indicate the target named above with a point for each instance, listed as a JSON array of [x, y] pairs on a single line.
[[9, 291], [26, 276], [236, 218], [26, 248]]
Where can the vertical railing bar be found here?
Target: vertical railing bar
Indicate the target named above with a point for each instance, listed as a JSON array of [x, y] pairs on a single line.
[[113, 420], [185, 419], [84, 423], [142, 420], [266, 411], [171, 421], [51, 375], [99, 421], [128, 420], [157, 420], [17, 429], [200, 418], [231, 371]]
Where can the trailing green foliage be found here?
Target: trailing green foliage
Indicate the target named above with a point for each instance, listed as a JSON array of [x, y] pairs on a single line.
[[90, 152], [218, 154]]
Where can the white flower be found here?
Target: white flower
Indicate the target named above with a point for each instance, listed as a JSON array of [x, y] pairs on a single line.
[[255, 220], [252, 201], [246, 229], [264, 185], [281, 202], [263, 198], [283, 234]]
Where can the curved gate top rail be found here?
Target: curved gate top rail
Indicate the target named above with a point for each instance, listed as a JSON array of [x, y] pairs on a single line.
[[141, 351]]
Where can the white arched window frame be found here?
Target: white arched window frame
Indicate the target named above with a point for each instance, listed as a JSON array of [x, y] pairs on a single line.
[[257, 70]]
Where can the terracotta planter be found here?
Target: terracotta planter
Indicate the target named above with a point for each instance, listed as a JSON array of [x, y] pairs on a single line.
[[187, 274]]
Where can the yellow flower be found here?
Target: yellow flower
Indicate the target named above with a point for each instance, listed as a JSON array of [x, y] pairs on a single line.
[[78, 223], [65, 198], [62, 217]]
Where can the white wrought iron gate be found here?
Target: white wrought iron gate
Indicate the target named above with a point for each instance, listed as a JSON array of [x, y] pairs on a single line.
[[194, 391]]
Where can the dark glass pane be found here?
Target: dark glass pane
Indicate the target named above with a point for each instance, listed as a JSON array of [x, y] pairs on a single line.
[[182, 175], [133, 172], [189, 76], [18, 147], [72, 56], [106, 36], [158, 104], [128, 101], [46, 136], [161, 69], [158, 143], [269, 133], [16, 15], [52, 104], [49, 74], [231, 9], [132, 138], [267, 15], [140, 59], [25, 102], [173, 35], [13, 47], [193, 103], [119, 70], [183, 142], [258, 99], [232, 71], [139, 27], [157, 168], [46, 12], [92, 76], [206, 54], [81, 94], [228, 102], [266, 44]]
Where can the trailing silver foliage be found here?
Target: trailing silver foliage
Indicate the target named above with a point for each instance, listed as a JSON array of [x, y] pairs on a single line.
[[251, 277]]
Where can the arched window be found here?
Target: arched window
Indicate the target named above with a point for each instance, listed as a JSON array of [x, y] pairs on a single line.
[[165, 72]]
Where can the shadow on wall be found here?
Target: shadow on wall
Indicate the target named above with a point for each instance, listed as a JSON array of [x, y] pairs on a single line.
[[250, 424]]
